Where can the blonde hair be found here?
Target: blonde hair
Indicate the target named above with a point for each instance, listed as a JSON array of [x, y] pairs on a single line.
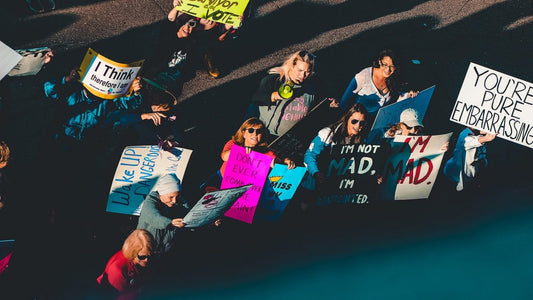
[[138, 240], [4, 152], [290, 62], [393, 130]]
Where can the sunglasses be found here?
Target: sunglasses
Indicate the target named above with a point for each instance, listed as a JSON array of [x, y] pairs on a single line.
[[143, 257], [411, 127], [191, 23], [304, 53], [355, 121], [256, 130]]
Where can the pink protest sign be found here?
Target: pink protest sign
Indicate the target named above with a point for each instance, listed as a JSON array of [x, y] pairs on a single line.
[[243, 169]]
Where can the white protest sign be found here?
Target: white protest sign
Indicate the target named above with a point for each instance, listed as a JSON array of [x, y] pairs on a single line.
[[137, 172], [494, 102], [106, 78], [8, 59], [213, 205], [31, 63], [413, 166]]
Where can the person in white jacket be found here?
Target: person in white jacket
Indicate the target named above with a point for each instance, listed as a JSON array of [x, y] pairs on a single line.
[[469, 155]]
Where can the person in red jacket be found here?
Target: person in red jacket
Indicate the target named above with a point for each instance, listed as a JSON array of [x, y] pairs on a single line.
[[127, 269]]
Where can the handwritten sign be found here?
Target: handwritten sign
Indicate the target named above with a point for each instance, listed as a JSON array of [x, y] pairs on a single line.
[[350, 171], [413, 166], [495, 102], [279, 189], [8, 59], [213, 205], [221, 11], [106, 78], [137, 172], [390, 114], [31, 63], [242, 169]]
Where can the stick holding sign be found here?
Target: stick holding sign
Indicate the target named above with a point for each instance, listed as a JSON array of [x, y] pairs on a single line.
[[494, 102], [213, 205]]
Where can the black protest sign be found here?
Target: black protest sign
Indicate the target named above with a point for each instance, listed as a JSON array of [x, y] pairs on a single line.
[[351, 172]]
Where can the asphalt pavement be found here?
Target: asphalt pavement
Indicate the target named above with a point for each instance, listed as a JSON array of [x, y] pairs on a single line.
[[478, 248]]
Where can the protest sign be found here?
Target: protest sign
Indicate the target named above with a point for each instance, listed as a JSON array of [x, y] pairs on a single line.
[[279, 188], [242, 169], [221, 11], [295, 142], [8, 59], [413, 166], [494, 102], [137, 172], [106, 78], [351, 172], [390, 114], [213, 205], [31, 63], [6, 250]]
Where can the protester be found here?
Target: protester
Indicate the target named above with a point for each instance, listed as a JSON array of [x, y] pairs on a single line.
[[409, 124], [296, 75], [162, 212], [251, 136], [352, 128], [4, 159], [170, 65], [80, 112], [469, 158], [128, 269], [376, 86], [155, 120]]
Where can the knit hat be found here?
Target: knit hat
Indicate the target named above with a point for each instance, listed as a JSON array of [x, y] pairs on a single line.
[[410, 118], [167, 184]]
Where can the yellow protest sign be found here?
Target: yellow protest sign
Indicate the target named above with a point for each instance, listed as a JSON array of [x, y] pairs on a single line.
[[106, 78], [221, 11]]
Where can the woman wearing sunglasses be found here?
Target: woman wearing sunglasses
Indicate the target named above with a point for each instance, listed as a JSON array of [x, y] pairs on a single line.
[[377, 85], [128, 268], [252, 136], [352, 128]]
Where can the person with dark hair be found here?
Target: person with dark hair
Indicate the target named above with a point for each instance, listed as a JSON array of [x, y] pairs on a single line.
[[80, 112], [127, 270], [351, 128], [286, 94], [154, 121], [377, 85]]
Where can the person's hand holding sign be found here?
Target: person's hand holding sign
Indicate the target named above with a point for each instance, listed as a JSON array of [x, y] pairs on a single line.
[[73, 75], [178, 223]]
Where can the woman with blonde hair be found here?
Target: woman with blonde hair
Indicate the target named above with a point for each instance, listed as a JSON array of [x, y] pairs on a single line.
[[127, 269], [287, 94]]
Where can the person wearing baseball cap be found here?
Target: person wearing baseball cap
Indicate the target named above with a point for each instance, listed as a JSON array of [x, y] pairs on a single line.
[[410, 124]]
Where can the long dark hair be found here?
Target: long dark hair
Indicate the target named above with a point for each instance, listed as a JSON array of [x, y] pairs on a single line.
[[339, 129], [393, 82]]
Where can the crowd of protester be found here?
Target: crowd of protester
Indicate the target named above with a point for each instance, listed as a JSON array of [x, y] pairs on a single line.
[[284, 97]]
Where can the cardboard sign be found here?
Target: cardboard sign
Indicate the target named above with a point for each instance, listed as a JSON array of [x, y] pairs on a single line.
[[8, 59], [497, 103], [137, 172], [221, 11], [243, 169], [105, 78], [413, 166], [31, 63], [350, 172], [390, 114], [279, 188], [212, 206]]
